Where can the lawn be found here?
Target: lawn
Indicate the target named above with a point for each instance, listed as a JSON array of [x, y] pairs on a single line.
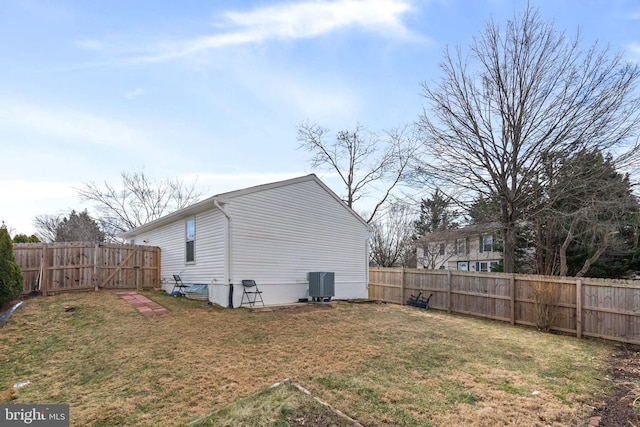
[[381, 364]]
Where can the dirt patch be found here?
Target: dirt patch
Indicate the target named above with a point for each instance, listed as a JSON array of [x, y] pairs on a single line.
[[622, 404]]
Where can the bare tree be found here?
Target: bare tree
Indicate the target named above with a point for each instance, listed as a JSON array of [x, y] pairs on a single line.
[[137, 201], [434, 254], [364, 161], [518, 97], [391, 241], [74, 227], [47, 227]]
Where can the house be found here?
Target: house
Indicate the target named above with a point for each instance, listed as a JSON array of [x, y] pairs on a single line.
[[470, 248], [274, 234]]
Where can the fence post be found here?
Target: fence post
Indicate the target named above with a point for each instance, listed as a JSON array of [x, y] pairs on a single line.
[[94, 279], [579, 308], [402, 285], [44, 277], [136, 269], [448, 291], [512, 282]]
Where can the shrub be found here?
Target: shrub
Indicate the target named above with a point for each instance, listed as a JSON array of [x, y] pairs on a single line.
[[11, 280], [23, 238], [545, 302]]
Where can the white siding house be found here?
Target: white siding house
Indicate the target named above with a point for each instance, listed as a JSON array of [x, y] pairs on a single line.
[[471, 248], [274, 234]]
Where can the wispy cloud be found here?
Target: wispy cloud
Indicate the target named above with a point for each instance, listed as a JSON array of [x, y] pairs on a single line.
[[288, 21], [634, 48], [134, 93], [91, 44], [72, 125], [23, 191], [312, 19]]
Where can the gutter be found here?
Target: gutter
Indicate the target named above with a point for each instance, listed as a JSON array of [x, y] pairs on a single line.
[[229, 251]]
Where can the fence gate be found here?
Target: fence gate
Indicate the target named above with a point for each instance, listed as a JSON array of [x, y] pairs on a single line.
[[65, 267]]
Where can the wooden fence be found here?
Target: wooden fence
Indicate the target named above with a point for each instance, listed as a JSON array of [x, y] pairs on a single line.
[[608, 309], [67, 267]]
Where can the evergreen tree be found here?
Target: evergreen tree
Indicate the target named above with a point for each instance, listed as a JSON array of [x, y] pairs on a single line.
[[587, 219], [483, 211], [79, 227], [11, 280], [435, 215], [23, 238]]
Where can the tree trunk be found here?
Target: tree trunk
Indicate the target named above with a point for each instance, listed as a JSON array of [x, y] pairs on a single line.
[[603, 247], [508, 251], [564, 269]]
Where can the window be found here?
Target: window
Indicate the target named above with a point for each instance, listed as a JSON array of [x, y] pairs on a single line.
[[486, 243], [190, 239], [461, 246], [484, 266], [441, 248]]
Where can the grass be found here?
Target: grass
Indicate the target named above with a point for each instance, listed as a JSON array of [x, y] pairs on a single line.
[[283, 405], [383, 365]]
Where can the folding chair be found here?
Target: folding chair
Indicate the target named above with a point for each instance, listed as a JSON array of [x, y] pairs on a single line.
[[181, 287], [251, 292]]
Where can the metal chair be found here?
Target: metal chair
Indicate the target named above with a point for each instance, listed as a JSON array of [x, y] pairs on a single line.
[[251, 292], [181, 287]]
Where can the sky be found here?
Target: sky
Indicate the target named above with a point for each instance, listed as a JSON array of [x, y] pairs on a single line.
[[212, 92]]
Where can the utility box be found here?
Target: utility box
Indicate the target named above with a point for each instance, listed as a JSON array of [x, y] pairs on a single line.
[[321, 285]]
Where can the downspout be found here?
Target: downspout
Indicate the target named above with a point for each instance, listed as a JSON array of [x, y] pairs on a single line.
[[229, 252]]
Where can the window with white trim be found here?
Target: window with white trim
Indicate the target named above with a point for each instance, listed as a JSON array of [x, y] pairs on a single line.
[[486, 243], [484, 266], [190, 240]]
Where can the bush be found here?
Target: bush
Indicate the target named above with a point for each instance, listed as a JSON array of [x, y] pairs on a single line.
[[11, 280], [545, 302]]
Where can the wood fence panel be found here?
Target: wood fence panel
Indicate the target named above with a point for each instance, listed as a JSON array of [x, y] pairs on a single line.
[[385, 284], [607, 309], [150, 268], [479, 295], [611, 310], [417, 283], [67, 267], [563, 299], [29, 262]]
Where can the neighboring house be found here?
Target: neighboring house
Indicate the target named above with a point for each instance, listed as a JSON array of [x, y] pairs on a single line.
[[274, 234], [470, 248]]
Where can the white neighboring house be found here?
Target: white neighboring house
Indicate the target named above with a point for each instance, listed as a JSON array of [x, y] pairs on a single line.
[[273, 233], [470, 248]]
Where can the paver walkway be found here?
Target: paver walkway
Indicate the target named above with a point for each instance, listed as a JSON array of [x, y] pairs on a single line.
[[142, 303]]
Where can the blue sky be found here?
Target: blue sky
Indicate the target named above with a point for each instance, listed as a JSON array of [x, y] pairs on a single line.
[[215, 89]]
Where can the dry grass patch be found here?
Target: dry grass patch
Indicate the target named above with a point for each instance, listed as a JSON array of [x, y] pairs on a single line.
[[283, 405], [380, 364]]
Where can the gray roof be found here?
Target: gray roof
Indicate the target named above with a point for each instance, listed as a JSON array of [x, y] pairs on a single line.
[[459, 233]]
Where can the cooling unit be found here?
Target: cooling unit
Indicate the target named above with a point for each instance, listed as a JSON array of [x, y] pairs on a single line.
[[321, 285]]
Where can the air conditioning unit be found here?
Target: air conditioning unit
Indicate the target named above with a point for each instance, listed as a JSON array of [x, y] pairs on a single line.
[[321, 285]]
